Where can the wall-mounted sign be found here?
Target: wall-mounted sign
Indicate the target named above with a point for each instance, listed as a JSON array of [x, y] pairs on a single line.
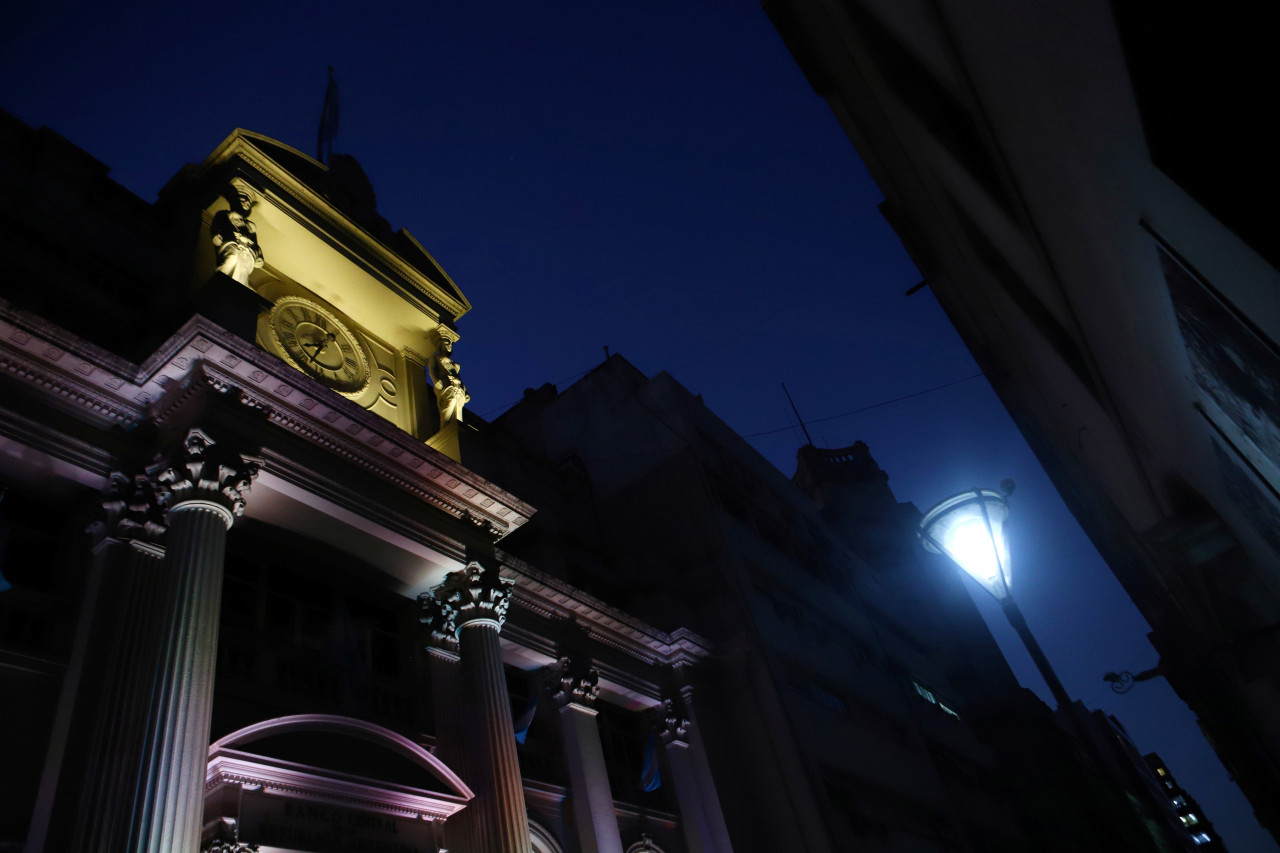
[[276, 820]]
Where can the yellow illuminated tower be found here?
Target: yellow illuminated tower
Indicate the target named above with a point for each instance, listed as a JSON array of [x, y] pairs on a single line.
[[362, 310]]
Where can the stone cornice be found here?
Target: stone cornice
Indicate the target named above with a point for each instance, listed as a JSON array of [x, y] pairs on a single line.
[[106, 391], [624, 676], [552, 598], [72, 373], [96, 462], [357, 503], [545, 793], [230, 767]]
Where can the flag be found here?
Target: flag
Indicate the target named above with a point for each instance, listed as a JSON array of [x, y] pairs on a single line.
[[526, 717], [328, 121], [650, 778]]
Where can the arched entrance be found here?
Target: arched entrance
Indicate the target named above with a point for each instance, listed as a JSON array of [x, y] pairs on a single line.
[[541, 839], [318, 783]]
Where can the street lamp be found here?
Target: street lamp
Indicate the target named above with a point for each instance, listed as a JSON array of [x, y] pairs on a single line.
[[969, 528]]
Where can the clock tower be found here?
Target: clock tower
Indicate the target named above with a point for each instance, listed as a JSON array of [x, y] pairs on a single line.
[[297, 251]]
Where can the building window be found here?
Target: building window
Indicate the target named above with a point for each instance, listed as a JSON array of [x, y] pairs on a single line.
[[932, 698], [1190, 819], [1178, 802], [1201, 838]]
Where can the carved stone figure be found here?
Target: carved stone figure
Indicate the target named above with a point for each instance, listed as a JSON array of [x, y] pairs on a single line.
[[451, 394], [235, 237]]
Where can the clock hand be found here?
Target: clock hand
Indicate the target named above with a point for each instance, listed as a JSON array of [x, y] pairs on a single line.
[[320, 346]]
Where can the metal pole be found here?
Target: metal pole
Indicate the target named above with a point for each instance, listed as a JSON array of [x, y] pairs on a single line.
[[797, 411], [1065, 705], [1042, 663]]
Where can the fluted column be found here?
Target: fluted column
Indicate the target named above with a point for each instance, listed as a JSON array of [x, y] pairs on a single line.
[[127, 640], [700, 815], [451, 709], [593, 812], [202, 486], [714, 828], [476, 599], [673, 732], [93, 745]]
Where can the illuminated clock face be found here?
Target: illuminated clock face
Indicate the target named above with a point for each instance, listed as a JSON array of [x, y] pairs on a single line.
[[316, 343]]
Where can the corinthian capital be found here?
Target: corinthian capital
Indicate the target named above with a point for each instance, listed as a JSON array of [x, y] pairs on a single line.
[[438, 617], [673, 726], [199, 469], [228, 847], [576, 681], [226, 839], [475, 594], [130, 510]]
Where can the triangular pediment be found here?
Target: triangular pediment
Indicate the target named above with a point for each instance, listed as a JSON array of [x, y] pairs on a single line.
[[411, 250]]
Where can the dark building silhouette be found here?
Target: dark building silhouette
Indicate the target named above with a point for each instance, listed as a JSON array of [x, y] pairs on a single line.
[[894, 721], [1085, 188], [1189, 812]]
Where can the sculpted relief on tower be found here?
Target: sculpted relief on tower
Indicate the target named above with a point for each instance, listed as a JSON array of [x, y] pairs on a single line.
[[234, 234], [451, 393]]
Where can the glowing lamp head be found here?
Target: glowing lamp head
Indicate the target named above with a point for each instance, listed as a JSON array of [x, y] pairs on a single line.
[[969, 528]]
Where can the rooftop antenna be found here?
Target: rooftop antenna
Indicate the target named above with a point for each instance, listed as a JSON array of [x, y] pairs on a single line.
[[797, 411]]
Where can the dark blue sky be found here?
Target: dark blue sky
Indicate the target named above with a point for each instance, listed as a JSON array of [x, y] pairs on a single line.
[[650, 175]]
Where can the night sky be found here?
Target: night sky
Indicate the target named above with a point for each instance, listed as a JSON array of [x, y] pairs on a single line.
[[656, 177]]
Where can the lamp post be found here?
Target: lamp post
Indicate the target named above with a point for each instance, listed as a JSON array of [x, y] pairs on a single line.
[[969, 529]]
